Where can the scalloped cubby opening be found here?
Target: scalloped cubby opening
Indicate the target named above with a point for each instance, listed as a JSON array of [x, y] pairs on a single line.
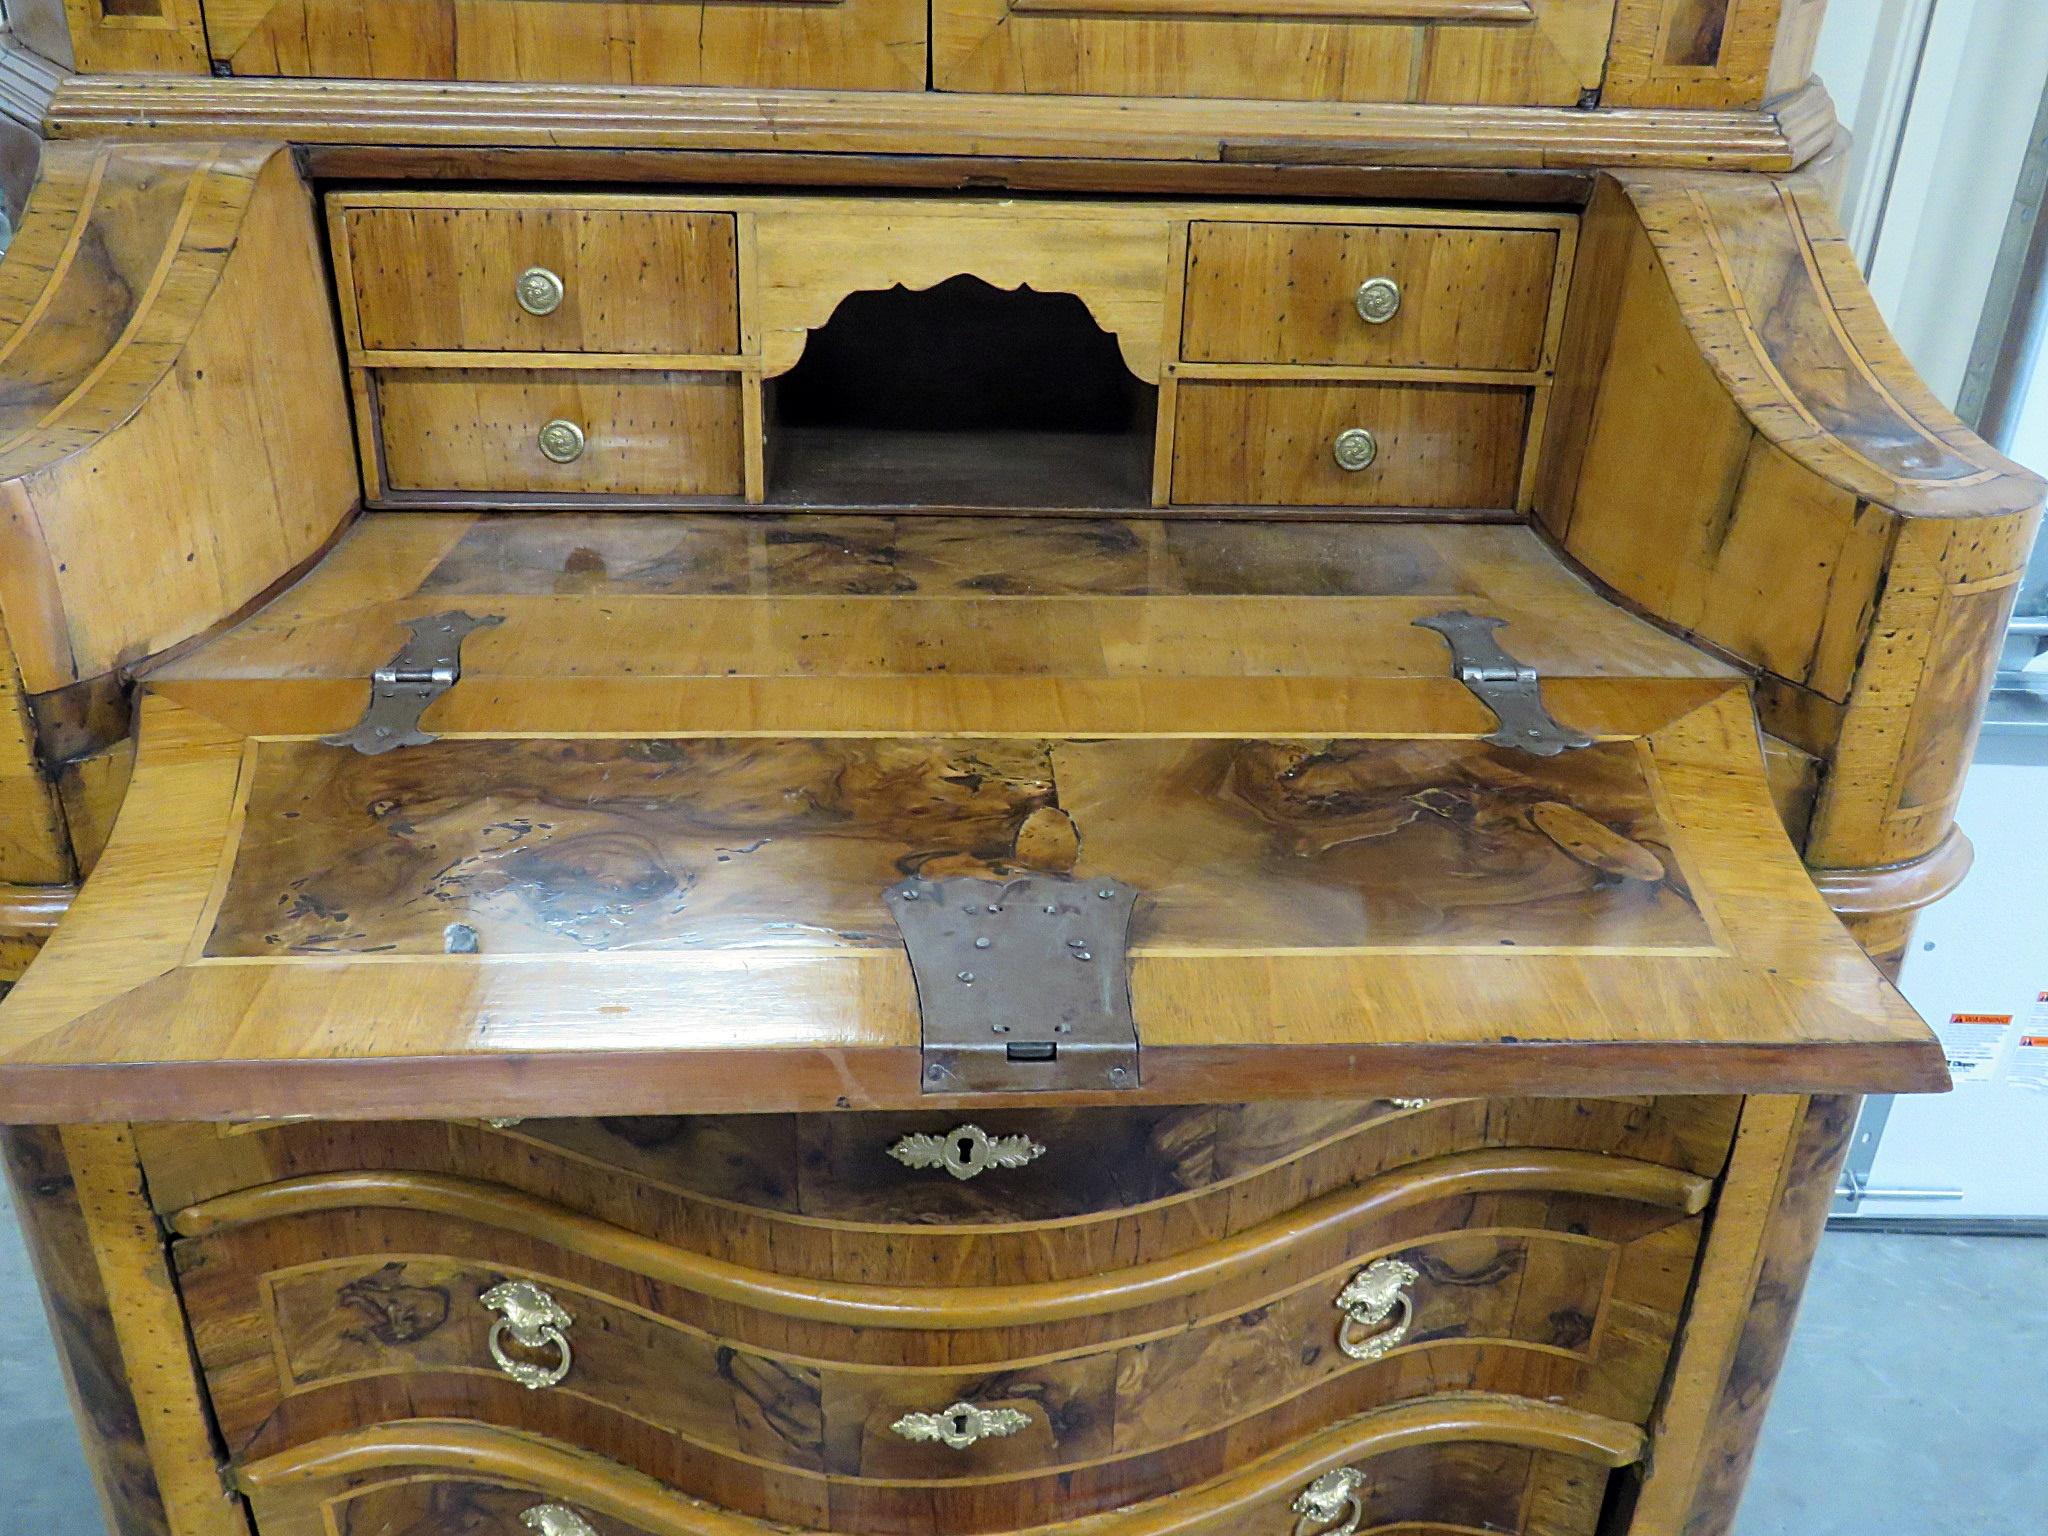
[[961, 395]]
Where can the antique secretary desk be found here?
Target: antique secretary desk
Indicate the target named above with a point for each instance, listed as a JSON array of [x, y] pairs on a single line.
[[1139, 767]]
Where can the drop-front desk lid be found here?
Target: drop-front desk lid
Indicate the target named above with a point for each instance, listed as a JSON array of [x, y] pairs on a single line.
[[647, 864]]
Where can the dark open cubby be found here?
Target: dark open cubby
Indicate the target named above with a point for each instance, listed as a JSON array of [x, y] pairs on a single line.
[[961, 395]]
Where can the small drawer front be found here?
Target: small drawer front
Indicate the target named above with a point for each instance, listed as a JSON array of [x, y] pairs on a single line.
[[1347, 445], [596, 431], [1368, 295], [544, 280]]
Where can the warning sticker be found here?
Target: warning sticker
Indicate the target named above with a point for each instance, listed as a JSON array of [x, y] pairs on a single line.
[[2029, 1065], [1973, 1043]]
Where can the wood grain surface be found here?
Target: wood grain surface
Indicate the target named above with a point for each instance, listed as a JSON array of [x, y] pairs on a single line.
[[1486, 1460], [1285, 293], [829, 122], [308, 1328], [163, 327], [1735, 304], [632, 281], [1112, 1181]]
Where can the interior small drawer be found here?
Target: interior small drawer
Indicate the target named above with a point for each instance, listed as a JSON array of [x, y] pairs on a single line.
[[543, 279], [1368, 294], [582, 431], [1330, 444]]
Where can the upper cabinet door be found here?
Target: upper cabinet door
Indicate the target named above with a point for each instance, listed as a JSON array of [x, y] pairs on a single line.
[[1493, 52], [852, 44]]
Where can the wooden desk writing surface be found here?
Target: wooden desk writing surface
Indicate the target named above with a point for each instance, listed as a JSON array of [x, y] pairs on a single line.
[[672, 786]]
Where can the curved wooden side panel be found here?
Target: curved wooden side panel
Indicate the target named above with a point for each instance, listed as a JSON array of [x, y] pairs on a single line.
[[174, 432], [957, 1308], [1822, 517], [1262, 1488]]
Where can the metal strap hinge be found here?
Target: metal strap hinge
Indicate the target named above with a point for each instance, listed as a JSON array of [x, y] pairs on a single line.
[[1022, 984], [1512, 689], [426, 666]]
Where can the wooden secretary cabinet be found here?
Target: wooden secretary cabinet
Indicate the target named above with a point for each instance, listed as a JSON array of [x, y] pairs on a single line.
[[933, 771]]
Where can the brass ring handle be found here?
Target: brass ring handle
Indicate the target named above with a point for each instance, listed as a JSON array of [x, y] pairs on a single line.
[[1375, 1294], [965, 1151], [1378, 300], [1355, 449], [533, 1320], [539, 291], [561, 441], [961, 1425], [556, 1520], [1331, 1506]]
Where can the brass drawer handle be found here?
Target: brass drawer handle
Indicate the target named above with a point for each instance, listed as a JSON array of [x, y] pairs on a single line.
[[1373, 1296], [1355, 449], [961, 1425], [1331, 1506], [561, 441], [1378, 300], [556, 1520], [536, 1321], [965, 1151], [540, 292]]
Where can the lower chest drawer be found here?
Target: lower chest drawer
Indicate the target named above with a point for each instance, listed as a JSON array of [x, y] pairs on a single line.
[[1545, 1277], [1345, 444], [1448, 1465], [583, 431]]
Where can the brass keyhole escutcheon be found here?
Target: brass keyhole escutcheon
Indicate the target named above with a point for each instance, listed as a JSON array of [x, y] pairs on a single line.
[[1355, 449], [539, 291], [561, 441], [1378, 300]]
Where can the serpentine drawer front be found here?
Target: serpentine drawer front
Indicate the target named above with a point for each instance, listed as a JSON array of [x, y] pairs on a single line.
[[1553, 1274], [1463, 1462]]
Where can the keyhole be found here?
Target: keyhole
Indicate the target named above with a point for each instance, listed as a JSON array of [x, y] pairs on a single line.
[[965, 1149], [959, 1423]]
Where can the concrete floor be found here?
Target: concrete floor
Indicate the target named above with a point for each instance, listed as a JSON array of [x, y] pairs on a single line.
[[1915, 1402]]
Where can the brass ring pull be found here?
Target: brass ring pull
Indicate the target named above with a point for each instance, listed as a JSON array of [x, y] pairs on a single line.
[[1378, 300], [1374, 1295], [961, 1425], [1331, 1506], [539, 291], [533, 1320], [561, 441], [1355, 449], [556, 1520], [965, 1151]]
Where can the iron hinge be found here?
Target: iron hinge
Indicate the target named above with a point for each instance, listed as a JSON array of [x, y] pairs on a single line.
[[426, 666], [1512, 689], [1023, 985]]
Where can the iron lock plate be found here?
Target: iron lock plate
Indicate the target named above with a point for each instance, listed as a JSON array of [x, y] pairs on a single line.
[[1512, 689], [1023, 985]]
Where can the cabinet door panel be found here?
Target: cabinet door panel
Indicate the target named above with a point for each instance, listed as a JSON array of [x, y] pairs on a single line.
[[1477, 52], [852, 44]]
